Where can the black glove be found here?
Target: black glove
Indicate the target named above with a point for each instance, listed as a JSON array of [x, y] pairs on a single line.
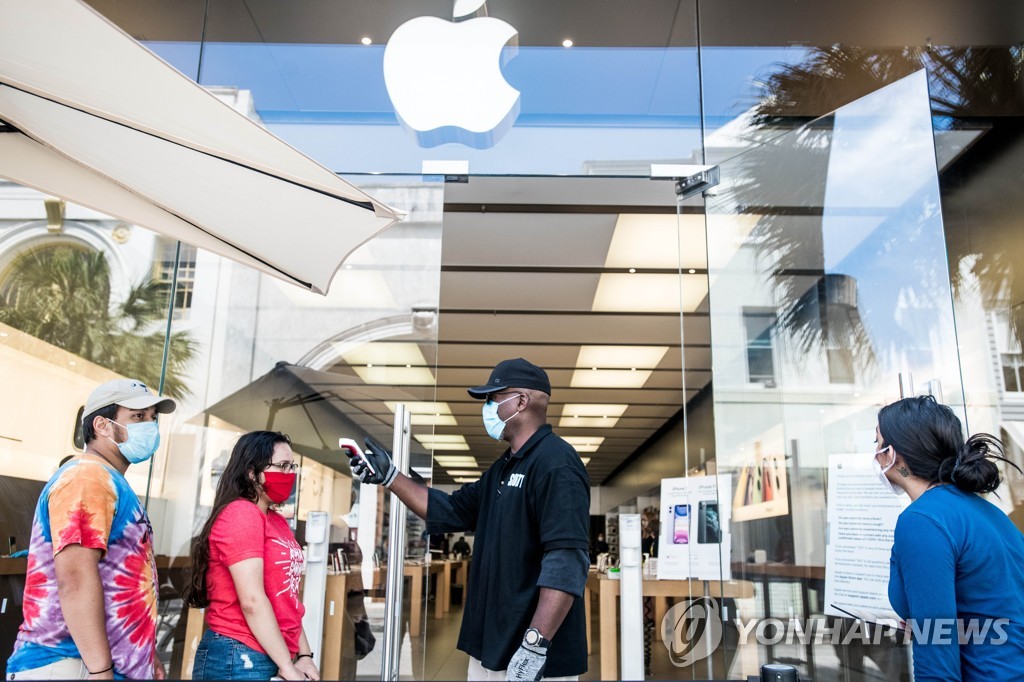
[[374, 465], [527, 663]]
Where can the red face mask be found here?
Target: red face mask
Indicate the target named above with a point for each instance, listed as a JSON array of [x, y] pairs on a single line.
[[278, 485]]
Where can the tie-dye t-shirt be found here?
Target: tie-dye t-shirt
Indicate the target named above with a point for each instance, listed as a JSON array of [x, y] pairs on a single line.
[[89, 503]]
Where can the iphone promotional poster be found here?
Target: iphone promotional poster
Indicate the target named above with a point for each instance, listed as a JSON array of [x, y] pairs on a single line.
[[695, 516]]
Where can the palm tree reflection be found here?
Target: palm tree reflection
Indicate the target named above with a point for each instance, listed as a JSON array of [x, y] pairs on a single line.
[[975, 90], [61, 294]]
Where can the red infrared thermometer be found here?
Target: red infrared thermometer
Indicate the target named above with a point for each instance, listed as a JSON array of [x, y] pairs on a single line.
[[353, 450]]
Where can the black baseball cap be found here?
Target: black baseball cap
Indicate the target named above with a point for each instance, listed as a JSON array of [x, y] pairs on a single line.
[[516, 373]]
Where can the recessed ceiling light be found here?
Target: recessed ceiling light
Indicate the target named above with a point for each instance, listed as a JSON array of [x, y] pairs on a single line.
[[395, 364], [632, 270], [441, 438], [366, 40], [645, 240], [427, 413], [691, 271], [590, 416], [649, 293], [587, 422], [456, 461], [396, 376], [585, 443], [567, 43], [593, 409], [383, 354], [586, 460], [463, 472], [467, 480], [621, 357], [609, 378], [442, 442]]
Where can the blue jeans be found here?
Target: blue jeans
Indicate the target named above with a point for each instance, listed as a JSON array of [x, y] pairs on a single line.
[[222, 658]]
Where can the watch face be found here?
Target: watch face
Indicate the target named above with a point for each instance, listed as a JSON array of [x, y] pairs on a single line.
[[532, 636]]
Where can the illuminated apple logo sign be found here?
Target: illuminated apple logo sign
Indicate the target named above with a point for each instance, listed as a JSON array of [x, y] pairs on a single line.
[[444, 78]]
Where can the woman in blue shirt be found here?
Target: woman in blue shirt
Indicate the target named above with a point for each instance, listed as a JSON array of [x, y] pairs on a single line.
[[957, 566]]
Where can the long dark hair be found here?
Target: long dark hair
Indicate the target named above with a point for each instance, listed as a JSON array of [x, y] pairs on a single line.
[[930, 439], [251, 454]]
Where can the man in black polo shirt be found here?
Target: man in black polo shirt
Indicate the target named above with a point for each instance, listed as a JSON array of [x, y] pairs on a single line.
[[524, 618]]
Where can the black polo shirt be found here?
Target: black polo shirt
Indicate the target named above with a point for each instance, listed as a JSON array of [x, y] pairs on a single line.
[[528, 503]]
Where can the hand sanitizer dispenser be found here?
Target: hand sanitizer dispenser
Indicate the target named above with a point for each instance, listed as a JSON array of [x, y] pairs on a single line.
[[315, 583]]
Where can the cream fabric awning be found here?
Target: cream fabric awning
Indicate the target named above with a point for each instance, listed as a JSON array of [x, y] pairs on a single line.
[[95, 118]]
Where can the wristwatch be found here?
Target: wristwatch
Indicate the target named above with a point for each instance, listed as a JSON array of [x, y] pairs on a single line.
[[534, 638]]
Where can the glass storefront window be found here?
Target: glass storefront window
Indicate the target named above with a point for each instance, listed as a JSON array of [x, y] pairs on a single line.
[[834, 244], [849, 250]]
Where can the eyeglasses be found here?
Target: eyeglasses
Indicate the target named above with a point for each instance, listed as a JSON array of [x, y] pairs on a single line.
[[492, 396], [284, 467]]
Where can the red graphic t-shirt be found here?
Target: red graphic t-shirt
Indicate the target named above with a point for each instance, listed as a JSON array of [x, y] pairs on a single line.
[[242, 532]]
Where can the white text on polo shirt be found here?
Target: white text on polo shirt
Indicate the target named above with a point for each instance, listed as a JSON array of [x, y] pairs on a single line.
[[516, 480]]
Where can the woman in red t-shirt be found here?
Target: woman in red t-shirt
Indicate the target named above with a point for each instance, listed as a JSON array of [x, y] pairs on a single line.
[[246, 568]]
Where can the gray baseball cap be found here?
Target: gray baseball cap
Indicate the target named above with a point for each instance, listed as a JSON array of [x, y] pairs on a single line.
[[130, 393]]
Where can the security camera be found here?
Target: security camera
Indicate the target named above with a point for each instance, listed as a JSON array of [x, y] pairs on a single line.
[[423, 319]]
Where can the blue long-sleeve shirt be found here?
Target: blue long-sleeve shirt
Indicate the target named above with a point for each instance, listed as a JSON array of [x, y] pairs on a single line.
[[958, 556]]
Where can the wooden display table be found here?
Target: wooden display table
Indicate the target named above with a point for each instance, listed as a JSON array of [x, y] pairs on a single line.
[[418, 572], [661, 590], [456, 571]]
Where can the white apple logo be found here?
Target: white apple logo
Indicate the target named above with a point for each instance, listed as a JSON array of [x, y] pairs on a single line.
[[445, 81]]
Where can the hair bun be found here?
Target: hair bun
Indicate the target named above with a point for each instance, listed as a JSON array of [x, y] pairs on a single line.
[[973, 470]]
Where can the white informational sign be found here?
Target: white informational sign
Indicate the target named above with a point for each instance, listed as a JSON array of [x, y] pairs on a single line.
[[862, 516], [695, 541]]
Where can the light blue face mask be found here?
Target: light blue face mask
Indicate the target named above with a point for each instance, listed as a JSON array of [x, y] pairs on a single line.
[[492, 422], [143, 440]]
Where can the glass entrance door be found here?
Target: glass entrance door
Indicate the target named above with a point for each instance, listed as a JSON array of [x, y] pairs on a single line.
[[829, 297]]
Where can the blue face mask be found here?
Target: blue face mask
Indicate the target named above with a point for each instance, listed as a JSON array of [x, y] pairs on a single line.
[[492, 422], [143, 440]]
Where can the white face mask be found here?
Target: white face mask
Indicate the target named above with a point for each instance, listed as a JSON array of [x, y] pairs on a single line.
[[142, 442], [494, 424], [881, 471]]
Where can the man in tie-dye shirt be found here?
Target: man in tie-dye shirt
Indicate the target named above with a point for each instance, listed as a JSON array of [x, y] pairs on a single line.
[[90, 589]]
